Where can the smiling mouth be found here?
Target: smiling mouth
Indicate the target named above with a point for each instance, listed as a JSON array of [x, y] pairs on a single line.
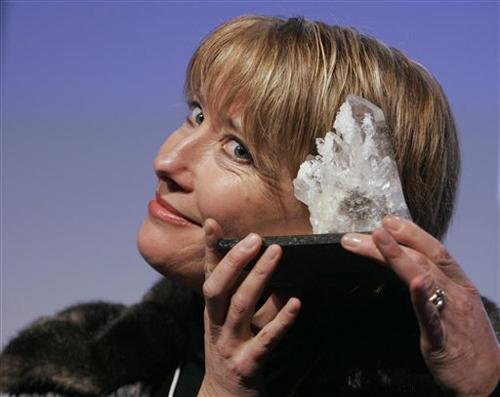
[[160, 209]]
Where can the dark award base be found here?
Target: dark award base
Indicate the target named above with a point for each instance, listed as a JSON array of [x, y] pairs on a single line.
[[318, 262]]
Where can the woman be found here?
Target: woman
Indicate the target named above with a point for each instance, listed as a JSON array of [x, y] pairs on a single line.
[[261, 90]]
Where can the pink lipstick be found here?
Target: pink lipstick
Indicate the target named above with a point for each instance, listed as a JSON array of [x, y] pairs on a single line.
[[160, 209]]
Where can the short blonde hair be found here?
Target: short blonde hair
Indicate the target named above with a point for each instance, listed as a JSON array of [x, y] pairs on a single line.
[[287, 79]]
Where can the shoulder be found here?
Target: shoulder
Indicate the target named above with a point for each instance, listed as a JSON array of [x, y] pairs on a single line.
[[95, 348]]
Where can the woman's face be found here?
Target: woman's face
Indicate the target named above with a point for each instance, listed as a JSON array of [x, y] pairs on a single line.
[[207, 172]]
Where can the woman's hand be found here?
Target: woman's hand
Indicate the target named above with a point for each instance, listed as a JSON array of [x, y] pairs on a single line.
[[457, 342], [234, 351]]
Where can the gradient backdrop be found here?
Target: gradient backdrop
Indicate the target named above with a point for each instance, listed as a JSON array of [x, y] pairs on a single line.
[[91, 89]]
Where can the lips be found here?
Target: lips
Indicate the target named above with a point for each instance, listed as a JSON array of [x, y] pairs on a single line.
[[161, 209]]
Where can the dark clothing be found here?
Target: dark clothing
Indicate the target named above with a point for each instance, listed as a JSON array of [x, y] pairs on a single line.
[[357, 345]]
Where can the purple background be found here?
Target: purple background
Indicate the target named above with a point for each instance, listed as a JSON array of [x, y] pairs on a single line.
[[91, 89]]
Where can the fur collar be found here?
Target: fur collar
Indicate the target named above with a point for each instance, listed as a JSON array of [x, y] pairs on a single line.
[[93, 349]]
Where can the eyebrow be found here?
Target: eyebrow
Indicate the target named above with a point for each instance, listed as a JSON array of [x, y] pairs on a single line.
[[194, 96]]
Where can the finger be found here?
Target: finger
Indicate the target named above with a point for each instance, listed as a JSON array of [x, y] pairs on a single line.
[[361, 244], [429, 320], [219, 285], [412, 236], [242, 307], [269, 310], [269, 336], [213, 233], [397, 258], [364, 244]]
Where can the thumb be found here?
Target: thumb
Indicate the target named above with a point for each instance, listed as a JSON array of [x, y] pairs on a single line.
[[213, 233]]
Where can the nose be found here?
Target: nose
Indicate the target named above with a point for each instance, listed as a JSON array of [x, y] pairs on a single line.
[[175, 162]]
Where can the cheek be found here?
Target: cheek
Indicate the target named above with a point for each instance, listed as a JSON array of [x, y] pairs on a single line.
[[241, 204], [234, 201]]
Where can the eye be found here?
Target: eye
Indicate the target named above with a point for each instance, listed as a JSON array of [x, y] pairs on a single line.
[[237, 150], [197, 113]]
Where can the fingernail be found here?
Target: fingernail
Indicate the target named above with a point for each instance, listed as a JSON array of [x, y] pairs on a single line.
[[393, 223], [251, 240], [271, 252], [384, 237], [209, 231], [351, 241], [293, 305]]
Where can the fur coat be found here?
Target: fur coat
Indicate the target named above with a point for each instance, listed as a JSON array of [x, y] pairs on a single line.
[[359, 347]]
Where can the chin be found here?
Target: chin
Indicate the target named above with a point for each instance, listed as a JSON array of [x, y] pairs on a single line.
[[175, 252]]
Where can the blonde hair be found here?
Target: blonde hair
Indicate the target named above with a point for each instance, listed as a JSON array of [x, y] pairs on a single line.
[[287, 79]]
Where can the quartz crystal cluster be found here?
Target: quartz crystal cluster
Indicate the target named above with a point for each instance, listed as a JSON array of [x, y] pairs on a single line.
[[353, 182]]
